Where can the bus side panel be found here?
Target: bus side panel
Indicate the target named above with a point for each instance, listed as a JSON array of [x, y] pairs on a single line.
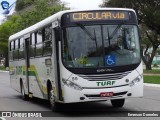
[[16, 73], [39, 74], [12, 73]]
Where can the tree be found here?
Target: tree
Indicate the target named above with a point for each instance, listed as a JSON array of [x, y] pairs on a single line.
[[40, 9], [148, 16], [21, 4], [149, 45], [7, 29]]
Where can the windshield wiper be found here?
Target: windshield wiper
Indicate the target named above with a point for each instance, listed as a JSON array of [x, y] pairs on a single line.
[[115, 30], [88, 33]]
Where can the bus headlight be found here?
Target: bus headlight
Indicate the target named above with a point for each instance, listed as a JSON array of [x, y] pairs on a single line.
[[71, 84], [136, 80]]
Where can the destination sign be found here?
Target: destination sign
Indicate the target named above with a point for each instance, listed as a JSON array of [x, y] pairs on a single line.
[[99, 15]]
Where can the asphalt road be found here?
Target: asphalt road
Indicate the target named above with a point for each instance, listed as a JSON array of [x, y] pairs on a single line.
[[10, 100]]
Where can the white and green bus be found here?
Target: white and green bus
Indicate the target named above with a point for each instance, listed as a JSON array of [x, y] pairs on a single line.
[[79, 56]]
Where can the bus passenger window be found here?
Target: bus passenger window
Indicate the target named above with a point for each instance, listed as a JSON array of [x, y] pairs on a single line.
[[39, 36], [21, 49], [32, 45], [16, 51], [39, 45], [47, 48], [39, 49], [48, 33], [11, 50], [47, 41]]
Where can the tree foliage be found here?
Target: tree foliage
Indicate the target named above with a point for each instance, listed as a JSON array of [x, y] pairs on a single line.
[[41, 10], [149, 39], [7, 29], [149, 17], [21, 4], [147, 10]]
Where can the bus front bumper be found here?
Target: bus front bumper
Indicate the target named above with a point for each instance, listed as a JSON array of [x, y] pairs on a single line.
[[94, 94]]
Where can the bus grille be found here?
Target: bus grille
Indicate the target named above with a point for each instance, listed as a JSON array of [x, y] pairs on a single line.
[[105, 77]]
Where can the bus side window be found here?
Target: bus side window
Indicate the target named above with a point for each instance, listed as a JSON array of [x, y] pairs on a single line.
[[47, 50], [11, 50], [32, 45], [21, 49], [39, 45], [16, 51]]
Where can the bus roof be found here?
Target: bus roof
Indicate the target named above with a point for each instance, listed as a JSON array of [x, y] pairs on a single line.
[[53, 18]]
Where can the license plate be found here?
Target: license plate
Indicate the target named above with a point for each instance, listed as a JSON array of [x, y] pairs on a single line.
[[106, 94]]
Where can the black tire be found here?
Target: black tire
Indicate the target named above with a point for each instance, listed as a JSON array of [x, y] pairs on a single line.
[[118, 102], [24, 96], [55, 106]]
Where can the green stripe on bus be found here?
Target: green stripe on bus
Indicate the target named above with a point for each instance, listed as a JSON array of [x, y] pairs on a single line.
[[30, 73]]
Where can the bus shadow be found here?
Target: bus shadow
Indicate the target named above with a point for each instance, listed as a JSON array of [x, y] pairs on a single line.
[[93, 109], [37, 101], [86, 109]]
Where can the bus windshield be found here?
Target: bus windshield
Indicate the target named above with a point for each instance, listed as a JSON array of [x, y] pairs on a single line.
[[100, 46]]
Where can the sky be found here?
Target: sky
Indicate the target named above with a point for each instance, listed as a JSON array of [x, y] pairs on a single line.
[[73, 4], [83, 4]]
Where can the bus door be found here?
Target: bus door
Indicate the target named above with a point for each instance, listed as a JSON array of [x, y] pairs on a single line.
[[27, 61], [55, 50]]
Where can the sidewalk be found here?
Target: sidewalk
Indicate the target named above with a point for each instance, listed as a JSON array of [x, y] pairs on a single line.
[[152, 85], [151, 74], [3, 71]]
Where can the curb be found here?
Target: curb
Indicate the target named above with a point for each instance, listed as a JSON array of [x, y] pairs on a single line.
[[150, 74], [152, 85], [4, 71]]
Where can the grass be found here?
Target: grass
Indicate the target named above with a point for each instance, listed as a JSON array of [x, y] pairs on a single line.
[[2, 68], [153, 71], [151, 79], [154, 79]]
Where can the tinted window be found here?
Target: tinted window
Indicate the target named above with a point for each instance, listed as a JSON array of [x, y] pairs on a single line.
[[47, 41], [16, 51], [11, 50], [21, 49], [32, 47], [39, 45]]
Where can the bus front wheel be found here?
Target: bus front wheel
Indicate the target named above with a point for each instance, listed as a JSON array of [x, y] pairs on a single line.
[[118, 102], [24, 96], [54, 105]]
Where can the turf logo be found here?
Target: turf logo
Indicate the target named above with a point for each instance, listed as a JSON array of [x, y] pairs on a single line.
[[105, 83]]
